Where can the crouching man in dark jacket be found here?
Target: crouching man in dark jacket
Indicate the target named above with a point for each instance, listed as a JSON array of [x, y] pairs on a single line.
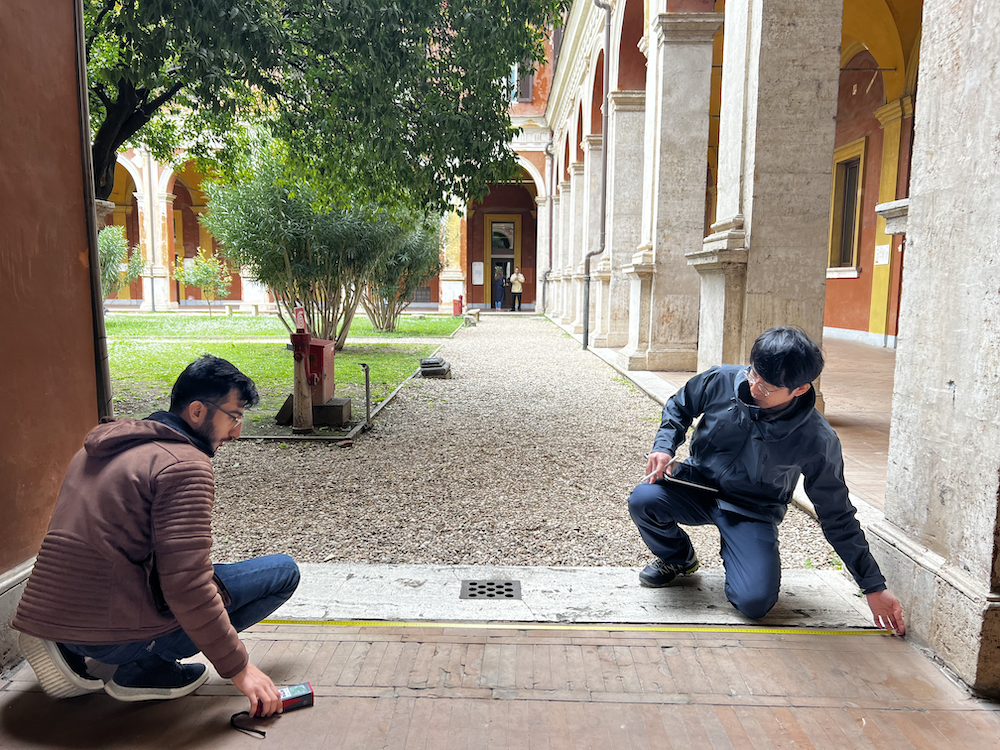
[[124, 575], [758, 432]]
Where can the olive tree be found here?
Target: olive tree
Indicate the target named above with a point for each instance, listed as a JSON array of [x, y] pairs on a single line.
[[412, 256], [118, 268], [273, 224]]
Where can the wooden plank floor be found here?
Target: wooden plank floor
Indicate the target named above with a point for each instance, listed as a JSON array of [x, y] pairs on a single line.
[[433, 688]]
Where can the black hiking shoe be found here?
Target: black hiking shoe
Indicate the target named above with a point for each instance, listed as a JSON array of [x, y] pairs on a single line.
[[153, 679], [659, 574]]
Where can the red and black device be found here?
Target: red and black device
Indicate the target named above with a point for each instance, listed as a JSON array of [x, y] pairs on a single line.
[[293, 697]]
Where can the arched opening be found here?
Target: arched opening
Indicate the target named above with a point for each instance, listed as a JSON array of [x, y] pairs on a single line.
[[189, 234], [126, 214], [579, 133], [502, 236], [597, 97], [631, 61]]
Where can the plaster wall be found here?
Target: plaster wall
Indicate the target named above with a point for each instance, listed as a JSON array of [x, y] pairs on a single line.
[[47, 339], [943, 481]]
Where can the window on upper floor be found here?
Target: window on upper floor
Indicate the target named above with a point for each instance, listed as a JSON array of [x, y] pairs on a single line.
[[521, 81], [846, 207]]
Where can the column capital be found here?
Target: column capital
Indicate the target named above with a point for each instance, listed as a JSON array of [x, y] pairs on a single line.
[[565, 185], [623, 101], [593, 140], [687, 28], [576, 168], [889, 112]]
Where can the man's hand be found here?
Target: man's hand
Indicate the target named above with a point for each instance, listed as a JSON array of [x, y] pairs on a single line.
[[658, 464], [887, 611], [258, 687]]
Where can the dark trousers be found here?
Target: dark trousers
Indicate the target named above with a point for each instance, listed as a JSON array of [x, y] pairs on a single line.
[[515, 300], [749, 548]]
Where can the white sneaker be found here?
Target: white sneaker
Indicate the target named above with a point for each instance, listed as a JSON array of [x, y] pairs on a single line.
[[57, 678]]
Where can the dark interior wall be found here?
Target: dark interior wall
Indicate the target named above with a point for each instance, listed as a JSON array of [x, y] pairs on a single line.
[[47, 368]]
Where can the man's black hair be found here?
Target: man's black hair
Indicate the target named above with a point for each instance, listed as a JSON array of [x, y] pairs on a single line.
[[211, 378], [786, 357]]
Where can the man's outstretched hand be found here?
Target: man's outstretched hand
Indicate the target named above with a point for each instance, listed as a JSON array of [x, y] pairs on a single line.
[[887, 611], [258, 687]]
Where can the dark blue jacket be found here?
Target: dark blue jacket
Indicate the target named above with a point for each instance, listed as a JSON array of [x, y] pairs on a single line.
[[756, 462]]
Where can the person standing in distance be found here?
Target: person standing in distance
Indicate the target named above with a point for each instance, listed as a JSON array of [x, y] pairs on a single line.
[[516, 285], [124, 574], [759, 431]]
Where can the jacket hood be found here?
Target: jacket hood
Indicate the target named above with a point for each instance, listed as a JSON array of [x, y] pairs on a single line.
[[119, 435], [776, 429]]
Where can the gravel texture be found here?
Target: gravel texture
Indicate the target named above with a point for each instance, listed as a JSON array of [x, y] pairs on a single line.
[[525, 457]]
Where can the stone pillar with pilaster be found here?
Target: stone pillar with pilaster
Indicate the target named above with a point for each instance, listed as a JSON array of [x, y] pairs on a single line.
[[683, 83], [574, 256], [625, 160], [639, 272], [591, 236], [565, 281], [451, 278], [541, 246], [891, 118], [775, 169], [600, 280], [552, 292], [939, 546]]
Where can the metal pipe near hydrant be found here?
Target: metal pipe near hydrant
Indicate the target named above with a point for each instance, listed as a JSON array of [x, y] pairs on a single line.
[[368, 396]]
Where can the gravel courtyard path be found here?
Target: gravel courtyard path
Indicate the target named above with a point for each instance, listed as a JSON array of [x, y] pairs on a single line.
[[525, 457]]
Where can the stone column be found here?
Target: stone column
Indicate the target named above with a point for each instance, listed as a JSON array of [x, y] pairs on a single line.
[[625, 159], [541, 246], [573, 273], [565, 281], [153, 219], [939, 545], [780, 75], [600, 275], [552, 293], [680, 110], [639, 273], [591, 225], [452, 279]]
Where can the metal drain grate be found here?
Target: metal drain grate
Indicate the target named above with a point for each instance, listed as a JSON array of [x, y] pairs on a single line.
[[490, 590]]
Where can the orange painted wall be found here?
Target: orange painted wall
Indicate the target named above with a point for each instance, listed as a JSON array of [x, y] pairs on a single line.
[[47, 364], [848, 300]]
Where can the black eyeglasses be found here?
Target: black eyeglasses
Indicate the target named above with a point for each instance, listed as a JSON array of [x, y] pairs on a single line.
[[237, 418]]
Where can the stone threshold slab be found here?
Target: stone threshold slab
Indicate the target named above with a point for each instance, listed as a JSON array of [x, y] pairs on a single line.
[[336, 592]]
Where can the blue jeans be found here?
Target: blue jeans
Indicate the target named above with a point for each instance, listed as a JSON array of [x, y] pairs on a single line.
[[749, 548], [257, 588]]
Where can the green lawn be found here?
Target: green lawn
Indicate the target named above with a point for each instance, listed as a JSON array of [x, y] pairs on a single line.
[[143, 372], [222, 326]]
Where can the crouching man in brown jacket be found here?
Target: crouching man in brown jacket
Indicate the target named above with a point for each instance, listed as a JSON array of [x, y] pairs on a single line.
[[124, 574]]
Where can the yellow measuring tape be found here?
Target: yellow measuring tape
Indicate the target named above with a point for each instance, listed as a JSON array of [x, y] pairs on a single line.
[[556, 626]]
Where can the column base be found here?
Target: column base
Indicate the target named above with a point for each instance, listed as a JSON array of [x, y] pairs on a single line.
[[672, 360], [631, 360], [945, 609]]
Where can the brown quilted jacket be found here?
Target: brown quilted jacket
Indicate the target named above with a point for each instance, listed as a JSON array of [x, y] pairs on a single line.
[[137, 498]]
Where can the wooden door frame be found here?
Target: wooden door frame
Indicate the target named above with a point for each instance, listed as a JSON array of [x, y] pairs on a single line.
[[488, 221]]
